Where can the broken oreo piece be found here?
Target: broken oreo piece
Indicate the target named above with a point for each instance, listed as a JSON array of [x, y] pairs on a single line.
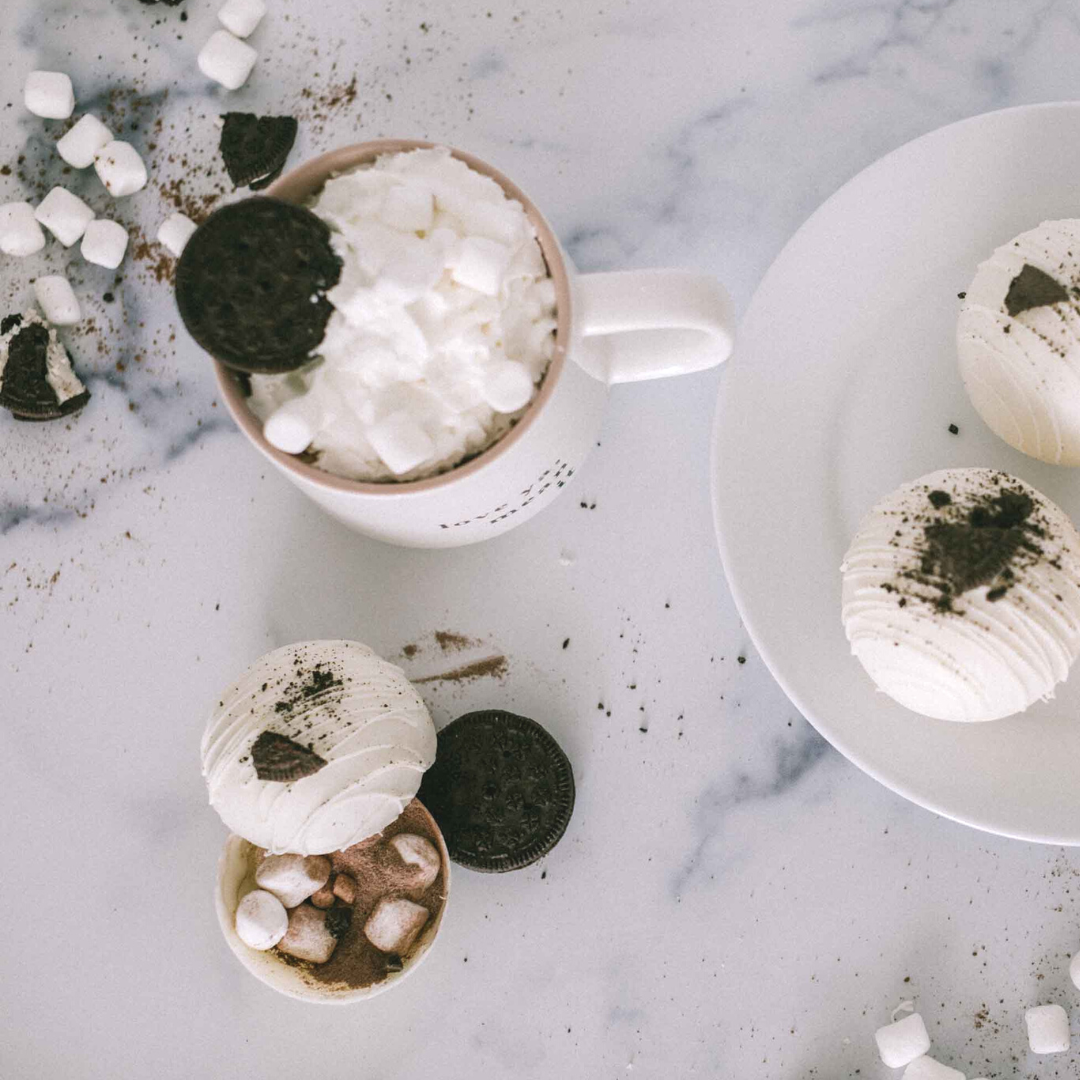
[[37, 381], [1033, 288], [251, 284], [278, 758], [255, 148], [501, 790], [9, 322]]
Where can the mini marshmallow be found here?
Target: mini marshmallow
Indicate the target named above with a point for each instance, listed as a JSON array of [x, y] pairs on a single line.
[[261, 920], [508, 387], [394, 924], [49, 94], [345, 888], [81, 144], [420, 854], [120, 169], [324, 898], [104, 243], [1047, 1029], [480, 264], [57, 300], [293, 878], [175, 231], [408, 207], [64, 215], [400, 442], [227, 60], [1074, 964], [901, 1042], [926, 1068], [242, 16], [20, 233], [290, 429], [307, 937]]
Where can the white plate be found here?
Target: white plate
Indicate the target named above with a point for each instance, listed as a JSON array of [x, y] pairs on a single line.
[[843, 385]]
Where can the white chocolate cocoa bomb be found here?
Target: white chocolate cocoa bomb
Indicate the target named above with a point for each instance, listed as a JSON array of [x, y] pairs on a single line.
[[356, 711], [945, 638], [1018, 342], [443, 325]]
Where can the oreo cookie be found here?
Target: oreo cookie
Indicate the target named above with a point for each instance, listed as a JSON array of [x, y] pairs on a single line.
[[501, 791], [255, 148], [37, 381], [251, 284]]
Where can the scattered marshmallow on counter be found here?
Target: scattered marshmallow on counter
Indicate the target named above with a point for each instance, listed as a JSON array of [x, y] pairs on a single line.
[[81, 144], [104, 243], [394, 925], [120, 169], [64, 215], [900, 1043], [424, 857], [307, 937], [293, 878], [227, 60], [926, 1068], [1047, 1029], [175, 231], [261, 920], [57, 300], [49, 94], [20, 232], [242, 16]]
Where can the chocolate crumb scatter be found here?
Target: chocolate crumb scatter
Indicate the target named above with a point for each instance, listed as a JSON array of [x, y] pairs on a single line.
[[953, 429], [985, 538]]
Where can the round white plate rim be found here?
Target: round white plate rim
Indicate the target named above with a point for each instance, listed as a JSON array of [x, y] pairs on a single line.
[[777, 668]]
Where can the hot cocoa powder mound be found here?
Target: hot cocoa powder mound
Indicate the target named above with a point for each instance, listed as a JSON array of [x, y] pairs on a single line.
[[378, 871]]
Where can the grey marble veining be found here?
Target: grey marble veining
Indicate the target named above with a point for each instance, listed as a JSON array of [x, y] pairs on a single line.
[[732, 898]]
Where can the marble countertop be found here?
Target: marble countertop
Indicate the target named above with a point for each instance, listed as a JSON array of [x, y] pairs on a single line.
[[732, 898]]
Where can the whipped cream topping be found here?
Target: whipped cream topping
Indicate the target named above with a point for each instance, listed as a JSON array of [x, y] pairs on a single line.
[[1021, 364], [961, 595], [443, 325], [340, 701]]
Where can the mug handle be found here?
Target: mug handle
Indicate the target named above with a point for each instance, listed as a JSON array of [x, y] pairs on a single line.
[[648, 324]]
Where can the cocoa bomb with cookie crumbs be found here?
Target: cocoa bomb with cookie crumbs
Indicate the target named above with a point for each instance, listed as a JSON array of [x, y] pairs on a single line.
[[501, 791], [961, 595], [251, 284]]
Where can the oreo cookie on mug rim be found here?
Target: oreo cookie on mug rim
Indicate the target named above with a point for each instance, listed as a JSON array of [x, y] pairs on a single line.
[[251, 284], [501, 791]]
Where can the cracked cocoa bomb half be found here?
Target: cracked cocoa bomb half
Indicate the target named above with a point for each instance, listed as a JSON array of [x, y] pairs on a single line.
[[251, 285], [501, 791]]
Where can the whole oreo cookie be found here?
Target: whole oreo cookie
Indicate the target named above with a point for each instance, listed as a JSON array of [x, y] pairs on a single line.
[[501, 791], [251, 284], [255, 148]]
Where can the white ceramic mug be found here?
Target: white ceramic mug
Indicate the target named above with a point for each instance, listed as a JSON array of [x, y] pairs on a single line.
[[611, 328]]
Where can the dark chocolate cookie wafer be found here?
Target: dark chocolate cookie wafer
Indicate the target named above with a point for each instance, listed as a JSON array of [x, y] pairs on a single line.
[[501, 791], [255, 148], [251, 284], [25, 389]]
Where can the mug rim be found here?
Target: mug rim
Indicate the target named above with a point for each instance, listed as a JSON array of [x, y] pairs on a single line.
[[305, 181]]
